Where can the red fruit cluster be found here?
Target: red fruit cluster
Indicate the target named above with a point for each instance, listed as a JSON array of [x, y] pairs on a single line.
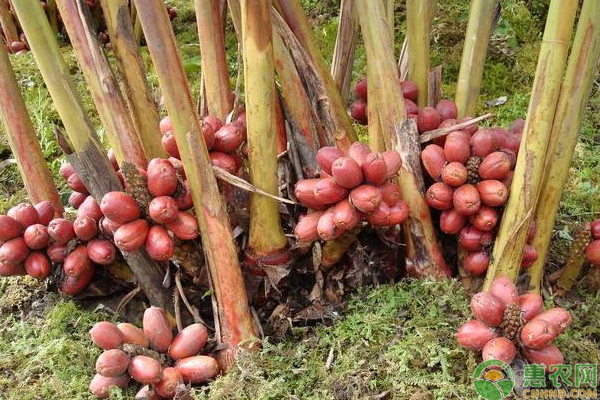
[[427, 118], [472, 171], [592, 251], [223, 141], [121, 361], [535, 337], [352, 187]]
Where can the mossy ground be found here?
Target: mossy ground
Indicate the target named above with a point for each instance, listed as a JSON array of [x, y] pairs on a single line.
[[393, 342]]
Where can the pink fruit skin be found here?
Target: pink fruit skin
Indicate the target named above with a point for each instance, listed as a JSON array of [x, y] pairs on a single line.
[[157, 329], [132, 334], [487, 308], [106, 335], [499, 349], [145, 370], [537, 334], [505, 290], [474, 335], [197, 369], [100, 385], [547, 356], [188, 342], [558, 317], [171, 380], [531, 304], [112, 363]]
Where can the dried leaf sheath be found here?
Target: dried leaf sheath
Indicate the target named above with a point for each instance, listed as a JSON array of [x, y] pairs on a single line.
[[23, 140], [345, 46]]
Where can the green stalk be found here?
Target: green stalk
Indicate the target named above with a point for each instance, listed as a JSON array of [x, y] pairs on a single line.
[[424, 257], [52, 11], [477, 37], [266, 234], [93, 166], [574, 95], [7, 24], [142, 106], [345, 47], [102, 84], [292, 12], [23, 140], [214, 57], [529, 171], [232, 313], [418, 38]]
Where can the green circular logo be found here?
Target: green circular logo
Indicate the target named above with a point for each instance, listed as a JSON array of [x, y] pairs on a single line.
[[494, 379]]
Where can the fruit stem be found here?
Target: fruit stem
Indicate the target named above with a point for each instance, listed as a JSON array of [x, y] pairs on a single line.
[[9, 28], [139, 96], [345, 47], [479, 30], [232, 313], [102, 84], [214, 58], [52, 11], [424, 256], [418, 38], [574, 94], [23, 140], [529, 170]]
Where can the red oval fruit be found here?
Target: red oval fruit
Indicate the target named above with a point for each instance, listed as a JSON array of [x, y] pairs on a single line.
[[360, 89], [470, 129], [189, 342], [145, 370], [547, 356], [390, 193], [358, 111], [85, 228], [470, 238], [517, 126], [537, 334], [208, 132], [306, 228], [487, 308], [13, 252], [474, 335], [184, 199], [214, 122], [507, 180], [366, 198], [410, 90], [494, 166], [46, 210], [477, 263], [374, 169], [100, 385], [119, 207], [327, 191], [101, 251], [592, 252], [451, 221], [393, 162], [10, 228], [36, 236], [454, 174], [38, 265], [56, 252], [66, 170], [106, 335], [132, 235], [434, 160], [326, 156], [457, 148], [147, 393], [345, 216], [157, 329], [531, 304], [171, 380], [76, 184], [381, 216], [358, 151], [439, 196], [326, 227], [595, 229], [89, 208], [159, 244], [493, 193], [133, 335], [162, 178], [466, 199], [530, 255], [77, 262], [197, 369], [487, 238], [76, 199], [483, 142], [12, 270], [163, 209], [108, 227], [558, 317], [512, 157], [346, 172], [428, 119], [499, 349], [228, 138], [505, 290], [185, 226], [165, 125], [398, 213], [304, 192], [447, 109], [75, 284], [223, 161], [485, 219], [169, 143], [411, 107], [25, 214], [112, 363]]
